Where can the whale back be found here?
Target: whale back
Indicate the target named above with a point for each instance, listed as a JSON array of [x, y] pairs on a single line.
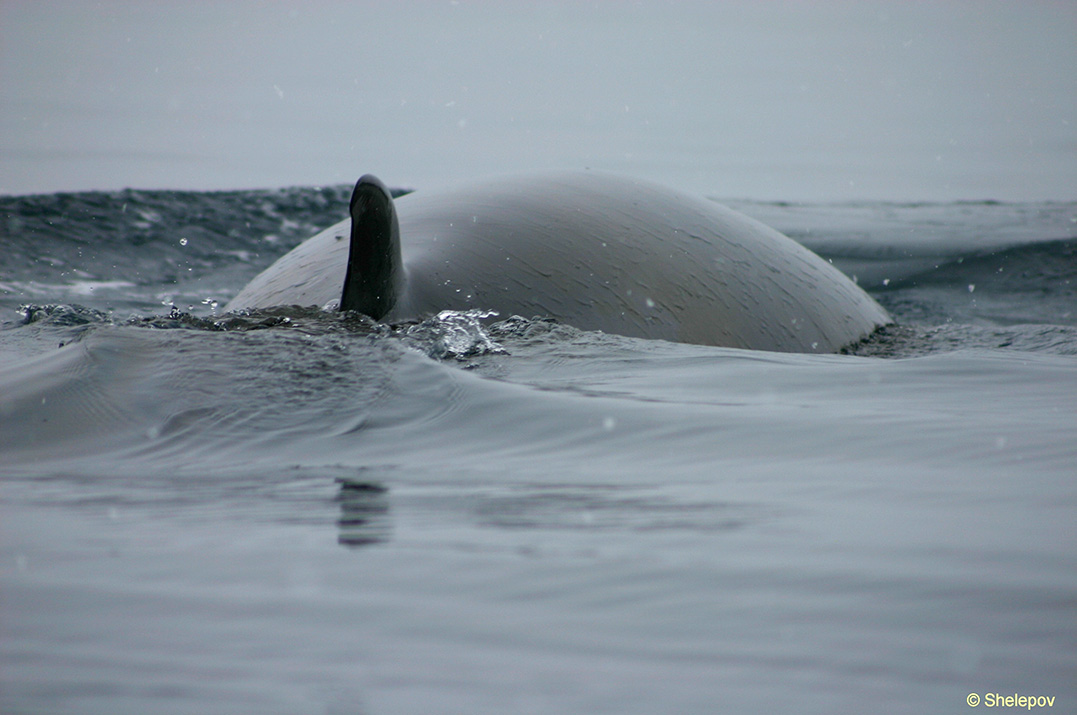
[[629, 257], [599, 252]]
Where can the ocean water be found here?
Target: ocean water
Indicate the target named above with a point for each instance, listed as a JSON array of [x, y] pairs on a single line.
[[295, 511], [289, 511]]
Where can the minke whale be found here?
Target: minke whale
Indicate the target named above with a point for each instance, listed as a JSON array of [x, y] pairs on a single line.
[[594, 250]]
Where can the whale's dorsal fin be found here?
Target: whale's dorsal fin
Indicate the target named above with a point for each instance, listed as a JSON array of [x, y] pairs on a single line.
[[373, 277]]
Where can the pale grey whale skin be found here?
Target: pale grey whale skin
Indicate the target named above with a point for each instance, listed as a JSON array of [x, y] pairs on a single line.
[[598, 252]]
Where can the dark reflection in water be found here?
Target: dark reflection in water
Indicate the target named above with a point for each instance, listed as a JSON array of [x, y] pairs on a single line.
[[364, 513]]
